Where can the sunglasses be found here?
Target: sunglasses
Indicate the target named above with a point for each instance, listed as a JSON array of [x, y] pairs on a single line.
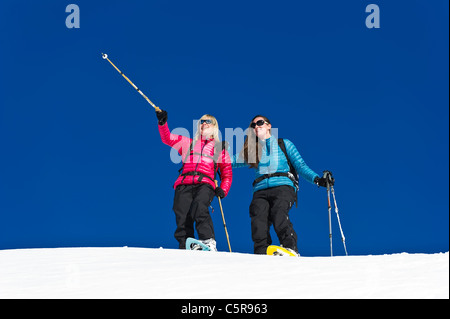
[[259, 123], [205, 121]]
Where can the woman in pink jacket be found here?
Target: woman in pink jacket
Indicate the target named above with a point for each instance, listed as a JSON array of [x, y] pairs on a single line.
[[195, 188]]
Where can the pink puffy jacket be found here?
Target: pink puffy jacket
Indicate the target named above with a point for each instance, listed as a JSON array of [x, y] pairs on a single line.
[[199, 160]]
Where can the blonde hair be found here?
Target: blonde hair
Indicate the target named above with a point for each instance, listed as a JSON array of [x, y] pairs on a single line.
[[215, 128]]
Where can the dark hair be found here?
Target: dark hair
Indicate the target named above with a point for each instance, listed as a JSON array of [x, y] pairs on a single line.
[[252, 150]]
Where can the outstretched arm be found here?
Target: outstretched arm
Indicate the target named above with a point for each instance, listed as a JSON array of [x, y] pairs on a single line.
[[237, 162], [299, 164], [178, 142]]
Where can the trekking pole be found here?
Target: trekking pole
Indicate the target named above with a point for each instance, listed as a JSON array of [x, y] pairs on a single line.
[[329, 177], [223, 218], [339, 220], [329, 217], [105, 57]]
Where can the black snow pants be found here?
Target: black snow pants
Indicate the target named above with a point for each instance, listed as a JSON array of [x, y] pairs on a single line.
[[271, 207], [191, 204]]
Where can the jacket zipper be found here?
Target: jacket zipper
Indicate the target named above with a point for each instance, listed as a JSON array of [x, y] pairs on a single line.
[[201, 155]]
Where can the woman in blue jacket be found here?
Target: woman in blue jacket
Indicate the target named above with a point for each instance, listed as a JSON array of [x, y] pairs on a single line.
[[275, 185]]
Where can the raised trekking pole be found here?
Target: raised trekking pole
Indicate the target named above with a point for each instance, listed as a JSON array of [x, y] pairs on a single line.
[[105, 57], [223, 218]]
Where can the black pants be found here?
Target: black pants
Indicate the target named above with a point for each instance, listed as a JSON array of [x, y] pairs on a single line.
[[191, 204], [271, 206]]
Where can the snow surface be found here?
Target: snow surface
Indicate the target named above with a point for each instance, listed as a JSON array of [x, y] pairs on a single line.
[[167, 273]]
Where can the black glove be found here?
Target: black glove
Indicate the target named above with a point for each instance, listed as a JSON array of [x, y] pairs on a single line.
[[162, 117], [219, 192], [322, 181]]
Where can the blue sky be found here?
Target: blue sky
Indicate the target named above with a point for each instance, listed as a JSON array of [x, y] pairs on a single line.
[[82, 163]]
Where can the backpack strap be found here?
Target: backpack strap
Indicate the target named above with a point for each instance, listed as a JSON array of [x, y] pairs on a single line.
[[189, 152], [291, 167], [218, 148], [292, 170]]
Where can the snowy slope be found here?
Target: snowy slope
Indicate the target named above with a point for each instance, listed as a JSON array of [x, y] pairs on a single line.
[[162, 273]]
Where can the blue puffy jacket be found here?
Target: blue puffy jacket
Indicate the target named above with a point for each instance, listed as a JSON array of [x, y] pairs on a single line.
[[273, 160]]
